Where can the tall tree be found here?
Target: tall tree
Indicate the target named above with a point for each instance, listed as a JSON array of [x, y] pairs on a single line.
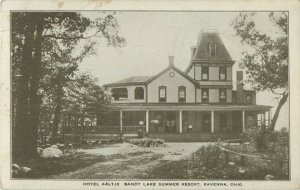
[[37, 37], [267, 63]]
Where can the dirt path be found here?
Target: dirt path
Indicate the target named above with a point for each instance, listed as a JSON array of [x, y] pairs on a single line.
[[130, 162]]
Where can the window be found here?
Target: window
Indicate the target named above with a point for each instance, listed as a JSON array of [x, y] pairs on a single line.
[[205, 94], [181, 94], [119, 93], [222, 95], [162, 94], [171, 74], [204, 73], [222, 73], [212, 50], [248, 99], [139, 93]]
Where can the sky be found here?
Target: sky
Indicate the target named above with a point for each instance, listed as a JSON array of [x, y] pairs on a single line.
[[153, 36]]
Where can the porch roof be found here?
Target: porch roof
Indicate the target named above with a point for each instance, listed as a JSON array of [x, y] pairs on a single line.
[[188, 106]]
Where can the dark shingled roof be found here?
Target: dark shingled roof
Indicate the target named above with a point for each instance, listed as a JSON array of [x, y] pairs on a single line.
[[202, 51], [147, 79], [130, 80]]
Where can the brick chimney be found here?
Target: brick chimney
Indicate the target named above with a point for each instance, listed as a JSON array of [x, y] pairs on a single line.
[[171, 61], [240, 88]]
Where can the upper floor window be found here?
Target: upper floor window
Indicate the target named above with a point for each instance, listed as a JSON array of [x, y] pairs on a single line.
[[212, 50], [181, 93], [222, 73], [222, 96], [139, 93], [205, 94], [162, 92], [248, 99], [204, 73], [119, 93]]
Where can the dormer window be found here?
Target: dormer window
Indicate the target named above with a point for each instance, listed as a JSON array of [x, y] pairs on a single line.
[[222, 73], [212, 50], [162, 92], [204, 73], [181, 94]]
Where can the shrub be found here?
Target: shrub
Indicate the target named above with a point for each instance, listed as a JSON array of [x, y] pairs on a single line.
[[257, 134], [147, 142], [207, 162], [208, 156]]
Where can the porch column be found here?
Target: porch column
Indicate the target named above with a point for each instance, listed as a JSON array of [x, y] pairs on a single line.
[[147, 121], [180, 121], [212, 121], [243, 120], [264, 118], [270, 112], [121, 121], [269, 118]]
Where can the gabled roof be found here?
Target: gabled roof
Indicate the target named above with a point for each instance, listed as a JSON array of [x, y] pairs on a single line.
[[143, 80], [177, 70], [202, 50], [130, 80]]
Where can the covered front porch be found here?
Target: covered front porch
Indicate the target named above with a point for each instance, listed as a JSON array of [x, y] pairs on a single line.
[[169, 120]]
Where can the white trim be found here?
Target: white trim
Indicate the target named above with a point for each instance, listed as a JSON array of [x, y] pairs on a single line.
[[147, 121], [121, 121], [243, 120], [212, 123], [180, 121]]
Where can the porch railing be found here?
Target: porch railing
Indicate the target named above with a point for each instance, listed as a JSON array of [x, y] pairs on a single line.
[[104, 129]]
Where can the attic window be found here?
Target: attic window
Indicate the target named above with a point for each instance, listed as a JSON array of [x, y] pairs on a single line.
[[171, 74], [212, 50]]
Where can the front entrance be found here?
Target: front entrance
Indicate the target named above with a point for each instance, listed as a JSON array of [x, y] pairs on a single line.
[[170, 124], [206, 122], [163, 121]]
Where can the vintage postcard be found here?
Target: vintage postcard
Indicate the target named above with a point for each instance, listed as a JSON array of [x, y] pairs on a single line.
[[150, 95]]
